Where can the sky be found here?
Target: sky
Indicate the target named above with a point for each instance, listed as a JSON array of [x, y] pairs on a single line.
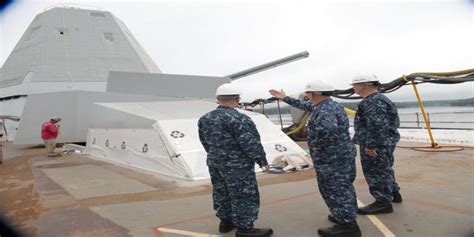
[[344, 38]]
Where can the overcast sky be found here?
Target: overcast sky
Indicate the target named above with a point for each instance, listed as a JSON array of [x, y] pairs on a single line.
[[344, 38]]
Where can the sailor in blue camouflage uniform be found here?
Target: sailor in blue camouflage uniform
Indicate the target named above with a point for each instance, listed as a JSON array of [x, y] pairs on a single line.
[[333, 156], [233, 147], [376, 131]]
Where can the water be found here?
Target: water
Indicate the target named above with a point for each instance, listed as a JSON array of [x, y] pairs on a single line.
[[439, 117]]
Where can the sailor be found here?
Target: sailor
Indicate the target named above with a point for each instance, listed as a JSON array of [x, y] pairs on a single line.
[[49, 133], [233, 147], [375, 124], [333, 155]]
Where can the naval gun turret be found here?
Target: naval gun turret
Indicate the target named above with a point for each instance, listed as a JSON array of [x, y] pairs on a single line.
[[269, 65]]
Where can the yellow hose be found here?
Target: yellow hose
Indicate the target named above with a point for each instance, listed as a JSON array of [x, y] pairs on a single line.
[[304, 120], [352, 113], [300, 126]]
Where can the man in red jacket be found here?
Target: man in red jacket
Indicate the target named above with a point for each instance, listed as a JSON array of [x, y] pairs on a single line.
[[49, 133]]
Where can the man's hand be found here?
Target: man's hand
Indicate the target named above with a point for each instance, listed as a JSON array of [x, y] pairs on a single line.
[[277, 94], [371, 152], [265, 168]]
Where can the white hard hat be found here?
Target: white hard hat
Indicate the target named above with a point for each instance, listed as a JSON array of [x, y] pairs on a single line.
[[228, 89], [364, 79], [56, 118], [318, 86]]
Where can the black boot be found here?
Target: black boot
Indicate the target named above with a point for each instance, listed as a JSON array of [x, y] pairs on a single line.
[[341, 230], [376, 208], [254, 232], [397, 197], [226, 226], [332, 219]]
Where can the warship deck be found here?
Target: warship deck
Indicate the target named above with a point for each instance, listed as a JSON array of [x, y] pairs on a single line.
[[75, 195]]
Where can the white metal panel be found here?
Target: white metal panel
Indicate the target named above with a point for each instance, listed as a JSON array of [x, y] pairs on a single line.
[[183, 137], [165, 110], [140, 148], [275, 142], [177, 131]]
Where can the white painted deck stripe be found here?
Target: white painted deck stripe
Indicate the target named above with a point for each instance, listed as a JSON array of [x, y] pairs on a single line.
[[187, 233], [378, 223]]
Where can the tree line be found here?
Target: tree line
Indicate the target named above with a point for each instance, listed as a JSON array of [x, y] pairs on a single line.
[[285, 109]]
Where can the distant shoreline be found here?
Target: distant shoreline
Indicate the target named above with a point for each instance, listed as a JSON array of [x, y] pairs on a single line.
[[429, 103], [272, 109]]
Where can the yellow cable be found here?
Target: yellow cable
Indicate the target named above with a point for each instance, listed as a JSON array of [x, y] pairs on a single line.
[[300, 126], [304, 120]]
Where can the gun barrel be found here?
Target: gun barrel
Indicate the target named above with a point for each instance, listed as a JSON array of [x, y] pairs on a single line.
[[268, 65]]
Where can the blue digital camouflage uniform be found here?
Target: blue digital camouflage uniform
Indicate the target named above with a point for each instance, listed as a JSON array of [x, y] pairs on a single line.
[[376, 127], [333, 155], [233, 146]]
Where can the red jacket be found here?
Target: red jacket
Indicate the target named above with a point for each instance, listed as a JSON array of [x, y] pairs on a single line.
[[49, 130]]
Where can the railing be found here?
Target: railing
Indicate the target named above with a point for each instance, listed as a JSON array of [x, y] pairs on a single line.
[[463, 120], [439, 120]]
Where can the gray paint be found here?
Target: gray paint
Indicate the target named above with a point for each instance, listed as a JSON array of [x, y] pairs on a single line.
[[69, 49], [269, 65], [78, 113], [74, 45], [164, 84], [99, 182]]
